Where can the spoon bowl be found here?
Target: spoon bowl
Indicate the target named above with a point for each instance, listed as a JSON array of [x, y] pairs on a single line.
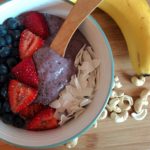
[[76, 16], [75, 128]]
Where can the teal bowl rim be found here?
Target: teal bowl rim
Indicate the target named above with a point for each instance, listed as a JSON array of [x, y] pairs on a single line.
[[4, 1], [107, 98]]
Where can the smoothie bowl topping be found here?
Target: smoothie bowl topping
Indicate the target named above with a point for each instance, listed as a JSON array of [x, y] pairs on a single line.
[[40, 90]]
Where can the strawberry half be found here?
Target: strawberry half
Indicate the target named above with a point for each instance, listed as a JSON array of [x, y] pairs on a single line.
[[20, 95], [43, 121], [29, 43], [30, 111], [36, 23], [25, 72]]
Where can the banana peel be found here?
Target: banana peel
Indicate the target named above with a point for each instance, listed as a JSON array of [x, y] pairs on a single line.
[[133, 18]]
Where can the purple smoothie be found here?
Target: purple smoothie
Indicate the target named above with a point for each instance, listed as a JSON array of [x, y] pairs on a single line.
[[54, 71]]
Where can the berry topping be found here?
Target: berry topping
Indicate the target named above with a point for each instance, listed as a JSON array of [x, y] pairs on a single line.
[[30, 111], [15, 34], [3, 69], [2, 42], [12, 23], [3, 92], [3, 30], [3, 79], [25, 72], [15, 52], [5, 51], [36, 23], [20, 95], [9, 57], [29, 43], [43, 121], [1, 104], [18, 122], [8, 39], [11, 62], [6, 107], [8, 118]]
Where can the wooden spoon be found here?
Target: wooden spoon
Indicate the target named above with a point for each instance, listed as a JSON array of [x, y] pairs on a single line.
[[76, 16]]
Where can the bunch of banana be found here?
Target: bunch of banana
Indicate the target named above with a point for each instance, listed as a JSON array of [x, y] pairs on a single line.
[[133, 18]]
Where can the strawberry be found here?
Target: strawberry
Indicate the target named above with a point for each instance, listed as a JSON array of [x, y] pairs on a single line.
[[36, 23], [20, 95], [25, 72], [29, 43], [43, 121], [30, 111]]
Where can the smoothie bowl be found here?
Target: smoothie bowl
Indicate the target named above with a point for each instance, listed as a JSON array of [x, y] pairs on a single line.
[[47, 100]]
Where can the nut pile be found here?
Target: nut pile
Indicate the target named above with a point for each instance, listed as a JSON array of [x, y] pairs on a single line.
[[120, 105]]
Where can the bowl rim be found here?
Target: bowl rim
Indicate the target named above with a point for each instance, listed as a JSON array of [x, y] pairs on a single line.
[[98, 26], [5, 1]]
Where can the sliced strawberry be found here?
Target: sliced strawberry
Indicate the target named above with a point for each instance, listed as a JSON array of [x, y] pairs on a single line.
[[20, 95], [43, 121], [29, 43], [36, 23], [25, 72], [30, 111]]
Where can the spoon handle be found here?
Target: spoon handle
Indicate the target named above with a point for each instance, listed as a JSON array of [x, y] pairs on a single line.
[[76, 16]]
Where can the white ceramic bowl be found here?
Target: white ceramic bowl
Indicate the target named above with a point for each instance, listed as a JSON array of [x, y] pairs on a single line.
[[74, 128]]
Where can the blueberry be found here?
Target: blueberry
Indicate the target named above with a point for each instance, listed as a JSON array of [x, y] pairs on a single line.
[[3, 30], [3, 79], [1, 104], [3, 92], [2, 42], [16, 34], [11, 62], [18, 122], [10, 76], [8, 118], [8, 39], [21, 27], [12, 23], [15, 52], [6, 107], [2, 99], [15, 44], [3, 69], [2, 60], [5, 51]]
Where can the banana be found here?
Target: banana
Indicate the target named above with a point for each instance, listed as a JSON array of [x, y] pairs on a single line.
[[133, 18]]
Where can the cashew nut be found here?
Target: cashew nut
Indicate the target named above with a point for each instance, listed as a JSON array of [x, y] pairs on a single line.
[[116, 78], [138, 81], [118, 118], [145, 93], [116, 94], [141, 115], [113, 94], [114, 101], [73, 143], [120, 94], [113, 105], [109, 108], [129, 99], [118, 85], [139, 104], [103, 115], [125, 102]]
